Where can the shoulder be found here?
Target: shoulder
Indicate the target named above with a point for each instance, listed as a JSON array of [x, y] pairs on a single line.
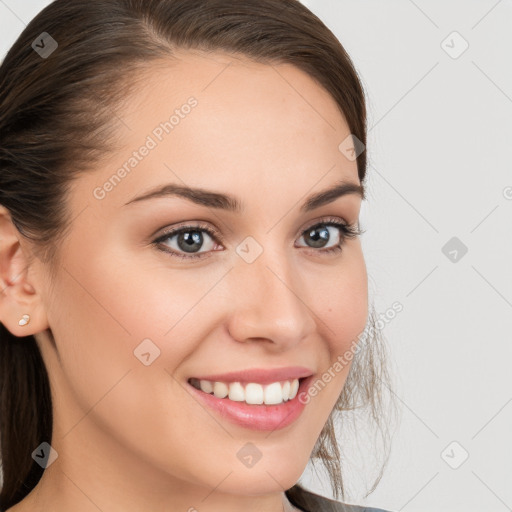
[[312, 502]]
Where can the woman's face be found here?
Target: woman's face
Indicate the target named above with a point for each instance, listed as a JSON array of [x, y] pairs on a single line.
[[133, 322]]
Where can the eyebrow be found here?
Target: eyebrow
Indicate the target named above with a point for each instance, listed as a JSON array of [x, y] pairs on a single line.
[[221, 201]]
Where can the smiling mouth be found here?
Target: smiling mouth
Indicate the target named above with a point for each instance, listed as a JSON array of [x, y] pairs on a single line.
[[251, 393]]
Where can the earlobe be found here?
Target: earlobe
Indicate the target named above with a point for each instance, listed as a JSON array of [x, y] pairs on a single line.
[[24, 320], [21, 309]]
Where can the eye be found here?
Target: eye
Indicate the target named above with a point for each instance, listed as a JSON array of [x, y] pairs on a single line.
[[189, 239], [186, 241], [319, 234]]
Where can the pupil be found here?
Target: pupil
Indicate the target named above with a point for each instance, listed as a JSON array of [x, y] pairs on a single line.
[[187, 239], [322, 235]]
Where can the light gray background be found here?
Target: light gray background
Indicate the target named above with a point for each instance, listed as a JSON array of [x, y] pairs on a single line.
[[439, 144]]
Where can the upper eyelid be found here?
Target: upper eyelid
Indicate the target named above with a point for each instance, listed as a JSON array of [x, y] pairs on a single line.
[[204, 226]]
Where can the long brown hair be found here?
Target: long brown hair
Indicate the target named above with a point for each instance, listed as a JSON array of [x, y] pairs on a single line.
[[57, 118]]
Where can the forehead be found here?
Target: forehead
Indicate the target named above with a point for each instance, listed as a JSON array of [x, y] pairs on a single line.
[[216, 119], [234, 80]]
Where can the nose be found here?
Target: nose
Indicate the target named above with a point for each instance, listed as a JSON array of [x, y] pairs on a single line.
[[269, 303]]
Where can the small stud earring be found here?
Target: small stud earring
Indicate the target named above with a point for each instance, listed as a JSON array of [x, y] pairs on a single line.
[[25, 319]]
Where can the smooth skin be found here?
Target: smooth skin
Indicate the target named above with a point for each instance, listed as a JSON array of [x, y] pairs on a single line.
[[131, 437]]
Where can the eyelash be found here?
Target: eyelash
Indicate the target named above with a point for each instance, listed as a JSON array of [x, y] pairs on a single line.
[[347, 232]]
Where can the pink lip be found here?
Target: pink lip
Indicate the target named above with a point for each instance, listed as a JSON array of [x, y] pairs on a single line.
[[259, 375], [260, 416]]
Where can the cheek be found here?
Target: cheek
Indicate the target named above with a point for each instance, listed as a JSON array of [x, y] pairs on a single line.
[[343, 303], [114, 315], [106, 316], [100, 318], [339, 300]]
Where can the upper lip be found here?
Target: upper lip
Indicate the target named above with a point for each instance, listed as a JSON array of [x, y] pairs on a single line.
[[260, 375]]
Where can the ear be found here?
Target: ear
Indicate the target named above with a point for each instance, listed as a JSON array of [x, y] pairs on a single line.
[[19, 295]]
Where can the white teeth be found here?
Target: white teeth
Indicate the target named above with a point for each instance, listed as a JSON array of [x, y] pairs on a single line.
[[294, 387], [220, 390], [252, 393], [274, 393], [286, 390], [236, 392], [206, 386]]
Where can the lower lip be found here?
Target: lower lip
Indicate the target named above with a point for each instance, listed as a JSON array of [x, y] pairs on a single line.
[[258, 416]]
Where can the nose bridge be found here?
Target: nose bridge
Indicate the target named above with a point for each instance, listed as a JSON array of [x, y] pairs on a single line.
[[269, 303]]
